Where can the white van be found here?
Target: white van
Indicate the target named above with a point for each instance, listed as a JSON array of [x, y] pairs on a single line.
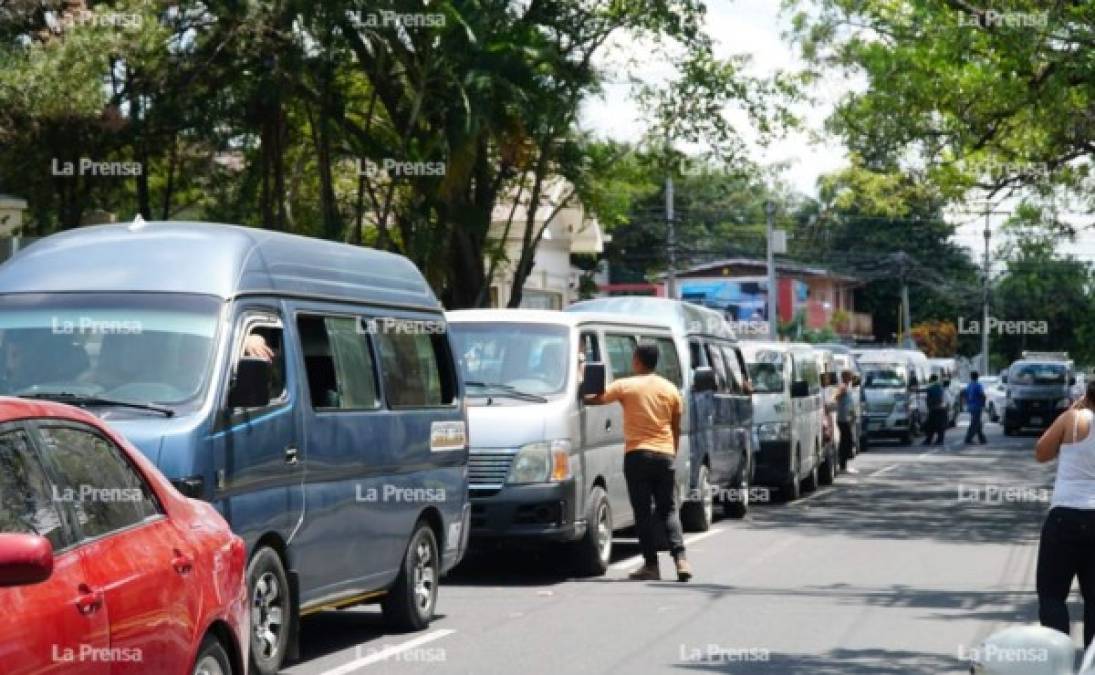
[[787, 416], [891, 401]]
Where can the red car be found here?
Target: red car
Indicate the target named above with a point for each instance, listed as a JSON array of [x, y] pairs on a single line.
[[104, 566]]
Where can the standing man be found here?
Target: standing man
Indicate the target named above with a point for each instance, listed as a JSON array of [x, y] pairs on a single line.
[[937, 411], [652, 431], [845, 417], [974, 394]]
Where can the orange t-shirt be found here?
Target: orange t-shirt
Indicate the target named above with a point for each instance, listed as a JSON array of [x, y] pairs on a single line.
[[650, 404]]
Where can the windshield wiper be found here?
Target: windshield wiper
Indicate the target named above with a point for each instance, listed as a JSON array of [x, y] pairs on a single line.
[[507, 390], [80, 400]]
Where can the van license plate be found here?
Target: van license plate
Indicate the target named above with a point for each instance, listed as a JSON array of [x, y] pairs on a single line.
[[1035, 420]]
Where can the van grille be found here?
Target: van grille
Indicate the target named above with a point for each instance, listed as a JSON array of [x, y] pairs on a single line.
[[488, 469], [880, 407]]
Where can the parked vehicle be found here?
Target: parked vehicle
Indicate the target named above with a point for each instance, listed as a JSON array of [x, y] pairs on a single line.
[[788, 412], [104, 566], [1038, 390], [995, 396], [305, 388], [718, 419], [889, 381], [830, 432], [947, 371], [545, 467]]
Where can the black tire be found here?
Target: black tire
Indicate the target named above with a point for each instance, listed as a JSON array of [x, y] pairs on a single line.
[[737, 506], [590, 554], [829, 468], [814, 479], [411, 601], [1010, 431], [212, 658], [696, 516], [271, 601], [906, 438], [792, 488]]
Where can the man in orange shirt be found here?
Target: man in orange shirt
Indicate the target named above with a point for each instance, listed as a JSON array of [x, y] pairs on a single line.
[[652, 430]]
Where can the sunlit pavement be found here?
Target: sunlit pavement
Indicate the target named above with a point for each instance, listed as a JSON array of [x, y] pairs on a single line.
[[902, 567]]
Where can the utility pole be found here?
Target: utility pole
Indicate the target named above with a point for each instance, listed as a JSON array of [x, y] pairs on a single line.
[[671, 277], [906, 308], [985, 300], [773, 318]]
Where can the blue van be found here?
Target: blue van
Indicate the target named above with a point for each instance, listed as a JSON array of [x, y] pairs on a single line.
[[304, 387]]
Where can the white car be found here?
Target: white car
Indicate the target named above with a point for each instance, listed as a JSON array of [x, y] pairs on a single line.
[[995, 396]]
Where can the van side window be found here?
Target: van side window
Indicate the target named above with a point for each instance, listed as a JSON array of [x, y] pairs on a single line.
[[715, 359], [413, 370], [338, 363], [669, 363], [734, 366], [620, 348], [590, 347], [266, 341]]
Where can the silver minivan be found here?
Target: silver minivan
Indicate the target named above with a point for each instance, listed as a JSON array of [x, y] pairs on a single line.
[[891, 399], [788, 412], [544, 466]]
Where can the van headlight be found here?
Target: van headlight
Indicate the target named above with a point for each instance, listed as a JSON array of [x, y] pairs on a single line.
[[541, 462], [774, 431]]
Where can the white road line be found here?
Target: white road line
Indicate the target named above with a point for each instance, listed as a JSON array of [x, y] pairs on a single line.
[[884, 470], [812, 496], [929, 452], [388, 652], [690, 539]]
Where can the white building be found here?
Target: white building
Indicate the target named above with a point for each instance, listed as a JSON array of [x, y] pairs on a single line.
[[553, 283], [11, 214]]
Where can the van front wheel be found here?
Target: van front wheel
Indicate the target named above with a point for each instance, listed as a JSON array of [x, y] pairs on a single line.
[[592, 553], [696, 515], [410, 603]]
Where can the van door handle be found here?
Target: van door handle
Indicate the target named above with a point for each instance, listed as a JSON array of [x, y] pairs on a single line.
[[608, 425], [89, 601], [292, 455]]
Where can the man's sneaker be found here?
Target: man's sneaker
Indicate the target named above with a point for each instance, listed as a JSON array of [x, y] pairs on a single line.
[[684, 571], [646, 573]]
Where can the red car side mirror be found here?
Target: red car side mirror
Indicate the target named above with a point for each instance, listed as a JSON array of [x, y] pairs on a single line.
[[24, 559]]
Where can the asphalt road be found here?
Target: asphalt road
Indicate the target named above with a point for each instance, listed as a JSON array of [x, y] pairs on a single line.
[[901, 567]]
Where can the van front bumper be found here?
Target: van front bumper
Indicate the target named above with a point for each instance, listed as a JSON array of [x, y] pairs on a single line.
[[773, 463], [886, 425], [545, 511], [1037, 413]]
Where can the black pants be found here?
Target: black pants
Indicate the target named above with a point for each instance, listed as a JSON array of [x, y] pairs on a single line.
[[975, 428], [847, 440], [937, 425], [1067, 551], [650, 476]]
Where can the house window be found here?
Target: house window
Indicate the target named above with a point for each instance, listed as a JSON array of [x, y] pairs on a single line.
[[533, 299]]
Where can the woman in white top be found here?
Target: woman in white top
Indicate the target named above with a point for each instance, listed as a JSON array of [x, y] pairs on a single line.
[[1067, 548]]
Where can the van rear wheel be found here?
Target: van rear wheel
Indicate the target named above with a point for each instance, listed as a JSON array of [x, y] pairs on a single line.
[[828, 469], [271, 611], [696, 516], [736, 505], [592, 553], [410, 603], [792, 488]]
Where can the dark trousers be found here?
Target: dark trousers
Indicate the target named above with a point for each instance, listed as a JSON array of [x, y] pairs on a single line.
[[975, 426], [847, 440], [650, 477], [1067, 551], [937, 426]]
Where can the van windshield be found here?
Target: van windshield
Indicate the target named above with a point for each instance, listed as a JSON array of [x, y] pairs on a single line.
[[523, 358], [1037, 373], [883, 376], [766, 372], [125, 347]]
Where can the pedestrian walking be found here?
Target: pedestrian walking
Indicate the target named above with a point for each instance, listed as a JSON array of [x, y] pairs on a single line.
[[1067, 547], [845, 417], [937, 411], [652, 430], [974, 394]]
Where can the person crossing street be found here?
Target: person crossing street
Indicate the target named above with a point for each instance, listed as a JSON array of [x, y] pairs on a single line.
[[974, 395]]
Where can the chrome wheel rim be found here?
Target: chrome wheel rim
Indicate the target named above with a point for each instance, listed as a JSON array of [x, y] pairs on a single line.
[[209, 666], [267, 613], [425, 577], [604, 532]]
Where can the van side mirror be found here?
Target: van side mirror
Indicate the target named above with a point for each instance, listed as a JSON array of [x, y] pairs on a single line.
[[1004, 379], [251, 384], [25, 559], [593, 379], [703, 379], [800, 389]]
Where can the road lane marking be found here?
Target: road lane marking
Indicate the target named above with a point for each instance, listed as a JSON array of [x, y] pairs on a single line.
[[929, 452], [690, 539], [388, 652], [817, 493], [884, 470]]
